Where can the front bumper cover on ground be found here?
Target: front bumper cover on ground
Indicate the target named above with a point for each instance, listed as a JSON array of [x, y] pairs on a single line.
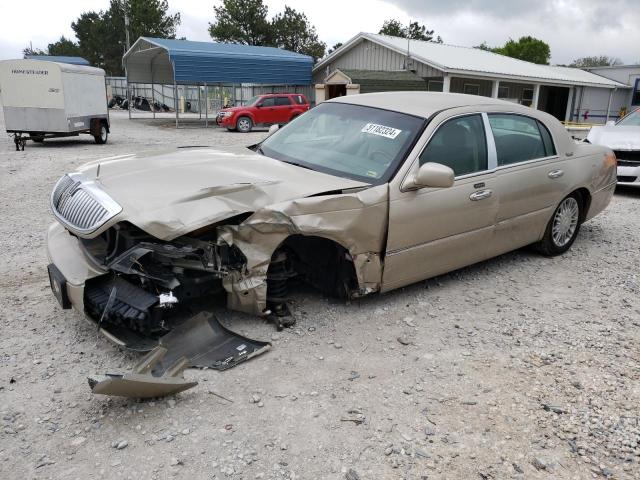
[[201, 342]]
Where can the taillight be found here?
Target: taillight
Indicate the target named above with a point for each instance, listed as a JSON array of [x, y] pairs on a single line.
[[610, 159]]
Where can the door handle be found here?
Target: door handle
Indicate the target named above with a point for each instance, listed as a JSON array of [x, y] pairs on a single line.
[[555, 174], [480, 195]]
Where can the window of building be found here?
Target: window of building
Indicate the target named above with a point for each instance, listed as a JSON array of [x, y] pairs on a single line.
[[519, 138], [471, 89], [527, 97], [435, 85], [459, 144], [635, 100], [503, 92]]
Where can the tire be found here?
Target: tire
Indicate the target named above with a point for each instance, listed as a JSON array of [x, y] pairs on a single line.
[[37, 138], [231, 129], [244, 124], [104, 135], [563, 227]]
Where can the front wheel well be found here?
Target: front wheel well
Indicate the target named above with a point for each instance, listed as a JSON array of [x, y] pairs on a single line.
[[323, 263]]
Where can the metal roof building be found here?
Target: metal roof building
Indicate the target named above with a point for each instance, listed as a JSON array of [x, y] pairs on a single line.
[[59, 59], [450, 68], [182, 62]]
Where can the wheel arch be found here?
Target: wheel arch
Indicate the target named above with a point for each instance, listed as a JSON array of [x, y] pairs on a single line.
[[325, 263], [585, 201]]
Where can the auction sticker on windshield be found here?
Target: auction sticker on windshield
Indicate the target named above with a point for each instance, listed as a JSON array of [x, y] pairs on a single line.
[[381, 130]]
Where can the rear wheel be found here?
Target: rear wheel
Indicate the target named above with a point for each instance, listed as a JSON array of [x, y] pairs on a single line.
[[244, 124], [101, 138], [563, 227]]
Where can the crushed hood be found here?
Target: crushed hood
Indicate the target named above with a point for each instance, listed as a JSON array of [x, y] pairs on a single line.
[[171, 194], [615, 137]]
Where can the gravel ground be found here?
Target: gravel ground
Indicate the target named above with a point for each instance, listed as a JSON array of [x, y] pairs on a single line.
[[518, 367]]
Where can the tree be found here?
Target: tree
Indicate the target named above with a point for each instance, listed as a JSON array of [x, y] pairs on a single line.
[[485, 47], [292, 31], [64, 47], [101, 35], [596, 61], [414, 31], [241, 21], [32, 51], [526, 48], [393, 28], [334, 48], [245, 21]]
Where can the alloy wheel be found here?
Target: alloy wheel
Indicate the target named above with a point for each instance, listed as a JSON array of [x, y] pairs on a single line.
[[565, 221]]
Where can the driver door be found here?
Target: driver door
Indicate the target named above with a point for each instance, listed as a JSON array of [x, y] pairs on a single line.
[[436, 230], [266, 110]]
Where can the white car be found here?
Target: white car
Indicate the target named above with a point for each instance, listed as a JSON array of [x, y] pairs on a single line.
[[623, 138]]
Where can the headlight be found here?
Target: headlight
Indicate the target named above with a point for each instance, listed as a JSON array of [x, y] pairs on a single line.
[[225, 114]]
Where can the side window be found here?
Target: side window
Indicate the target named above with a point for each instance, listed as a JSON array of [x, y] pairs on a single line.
[[549, 147], [280, 101], [517, 138], [268, 102], [460, 144], [299, 100]]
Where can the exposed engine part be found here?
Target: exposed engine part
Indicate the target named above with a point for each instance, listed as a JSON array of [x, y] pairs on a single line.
[[167, 300], [151, 275], [131, 308]]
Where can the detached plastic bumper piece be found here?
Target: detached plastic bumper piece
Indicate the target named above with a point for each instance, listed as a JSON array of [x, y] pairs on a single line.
[[201, 341], [141, 384]]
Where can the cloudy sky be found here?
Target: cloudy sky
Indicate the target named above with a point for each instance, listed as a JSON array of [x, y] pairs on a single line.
[[573, 28]]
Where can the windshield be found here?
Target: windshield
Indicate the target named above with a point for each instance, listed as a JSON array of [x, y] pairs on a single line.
[[631, 120], [352, 141]]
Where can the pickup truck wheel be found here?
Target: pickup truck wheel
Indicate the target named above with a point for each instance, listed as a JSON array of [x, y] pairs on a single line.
[[563, 227], [101, 139], [244, 124]]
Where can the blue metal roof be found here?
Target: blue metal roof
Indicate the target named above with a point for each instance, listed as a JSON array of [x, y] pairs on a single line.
[[200, 62], [59, 59]]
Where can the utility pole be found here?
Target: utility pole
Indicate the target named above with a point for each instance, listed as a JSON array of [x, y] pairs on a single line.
[[126, 29]]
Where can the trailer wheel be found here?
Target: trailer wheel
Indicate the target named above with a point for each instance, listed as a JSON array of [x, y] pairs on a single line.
[[101, 138]]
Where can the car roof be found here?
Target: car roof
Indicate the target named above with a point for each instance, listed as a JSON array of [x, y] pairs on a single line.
[[423, 104]]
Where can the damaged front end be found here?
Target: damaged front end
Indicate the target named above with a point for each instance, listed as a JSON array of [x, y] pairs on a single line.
[[151, 285]]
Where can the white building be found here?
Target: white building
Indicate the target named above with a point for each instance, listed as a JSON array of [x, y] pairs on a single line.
[[560, 91], [628, 74]]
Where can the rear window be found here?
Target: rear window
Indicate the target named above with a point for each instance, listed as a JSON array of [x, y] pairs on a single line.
[[299, 99], [283, 101]]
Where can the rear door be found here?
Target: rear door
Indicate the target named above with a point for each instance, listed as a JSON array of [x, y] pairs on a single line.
[[283, 108], [530, 179], [436, 230]]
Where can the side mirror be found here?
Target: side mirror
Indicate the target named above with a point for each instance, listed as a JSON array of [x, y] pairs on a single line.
[[434, 175], [273, 129]]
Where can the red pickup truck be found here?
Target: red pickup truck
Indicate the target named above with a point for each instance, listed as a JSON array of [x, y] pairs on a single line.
[[263, 110]]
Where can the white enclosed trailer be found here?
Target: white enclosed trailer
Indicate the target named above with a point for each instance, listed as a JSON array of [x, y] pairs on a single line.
[[44, 99]]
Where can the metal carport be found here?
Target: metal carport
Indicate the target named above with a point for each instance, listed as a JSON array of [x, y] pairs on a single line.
[[182, 62]]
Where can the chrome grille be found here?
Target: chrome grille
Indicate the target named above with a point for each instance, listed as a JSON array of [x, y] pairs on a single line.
[[81, 205]]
